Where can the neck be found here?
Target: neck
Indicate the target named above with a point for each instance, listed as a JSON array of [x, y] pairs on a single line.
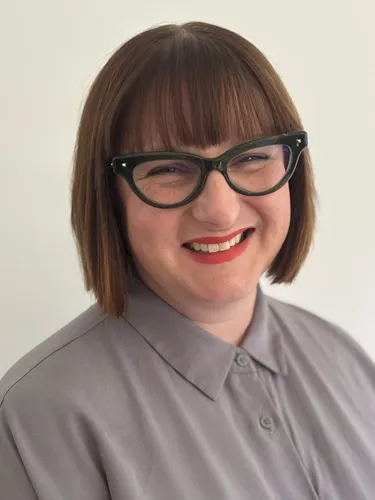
[[228, 322]]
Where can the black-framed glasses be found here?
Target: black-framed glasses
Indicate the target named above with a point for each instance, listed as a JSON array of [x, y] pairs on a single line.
[[168, 179]]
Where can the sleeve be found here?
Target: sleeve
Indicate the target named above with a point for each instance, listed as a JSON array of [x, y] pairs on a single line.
[[15, 483], [45, 452]]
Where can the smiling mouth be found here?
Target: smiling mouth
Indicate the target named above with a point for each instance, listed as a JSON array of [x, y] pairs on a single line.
[[219, 247]]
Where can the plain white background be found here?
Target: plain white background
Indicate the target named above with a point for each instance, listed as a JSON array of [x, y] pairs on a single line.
[[50, 51]]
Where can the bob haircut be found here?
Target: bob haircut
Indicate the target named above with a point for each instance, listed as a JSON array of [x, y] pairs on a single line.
[[172, 85]]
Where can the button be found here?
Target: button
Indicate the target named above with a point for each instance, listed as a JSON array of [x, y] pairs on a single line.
[[242, 359], [267, 423]]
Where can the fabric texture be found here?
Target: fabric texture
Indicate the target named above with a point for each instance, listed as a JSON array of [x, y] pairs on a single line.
[[150, 406]]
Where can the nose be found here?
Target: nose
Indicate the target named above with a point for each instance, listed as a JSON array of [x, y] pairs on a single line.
[[218, 205]]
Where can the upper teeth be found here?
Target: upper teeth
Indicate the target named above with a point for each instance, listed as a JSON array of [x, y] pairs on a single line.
[[216, 247]]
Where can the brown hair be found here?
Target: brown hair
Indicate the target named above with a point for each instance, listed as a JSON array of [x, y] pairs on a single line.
[[191, 84]]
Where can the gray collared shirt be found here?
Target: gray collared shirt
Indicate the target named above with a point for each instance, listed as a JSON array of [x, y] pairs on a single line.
[[152, 407]]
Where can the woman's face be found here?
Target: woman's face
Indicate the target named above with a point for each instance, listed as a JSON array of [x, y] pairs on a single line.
[[157, 238]]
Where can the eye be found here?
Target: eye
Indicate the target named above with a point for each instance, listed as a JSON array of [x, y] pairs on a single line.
[[251, 158], [175, 168], [164, 169]]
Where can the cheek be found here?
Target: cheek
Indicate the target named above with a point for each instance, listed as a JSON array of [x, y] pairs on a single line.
[[140, 221], [147, 227], [274, 212], [133, 215]]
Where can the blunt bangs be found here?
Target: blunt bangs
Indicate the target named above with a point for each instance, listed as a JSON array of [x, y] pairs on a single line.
[[195, 92]]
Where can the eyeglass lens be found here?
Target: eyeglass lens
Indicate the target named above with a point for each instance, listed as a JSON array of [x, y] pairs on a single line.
[[173, 180]]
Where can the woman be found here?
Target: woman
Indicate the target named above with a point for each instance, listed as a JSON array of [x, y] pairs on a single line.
[[192, 179]]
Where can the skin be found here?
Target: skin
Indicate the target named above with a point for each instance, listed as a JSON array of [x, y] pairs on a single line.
[[220, 298]]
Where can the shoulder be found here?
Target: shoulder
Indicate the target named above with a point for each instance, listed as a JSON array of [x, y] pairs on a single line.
[[320, 341], [65, 363]]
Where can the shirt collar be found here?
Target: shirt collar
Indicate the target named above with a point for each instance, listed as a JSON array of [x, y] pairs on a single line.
[[200, 357], [263, 339]]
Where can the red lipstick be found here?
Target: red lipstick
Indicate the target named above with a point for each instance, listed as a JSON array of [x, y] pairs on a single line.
[[218, 239], [220, 256]]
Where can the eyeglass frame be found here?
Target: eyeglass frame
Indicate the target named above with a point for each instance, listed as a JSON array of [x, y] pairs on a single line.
[[296, 141]]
